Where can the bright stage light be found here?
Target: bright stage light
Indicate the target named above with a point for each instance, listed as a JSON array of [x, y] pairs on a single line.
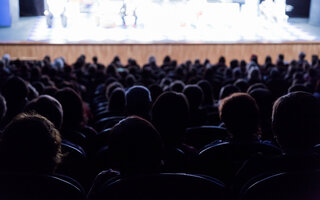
[[171, 21]]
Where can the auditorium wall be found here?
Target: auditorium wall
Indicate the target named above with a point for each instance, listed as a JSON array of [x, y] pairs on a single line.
[[141, 52]]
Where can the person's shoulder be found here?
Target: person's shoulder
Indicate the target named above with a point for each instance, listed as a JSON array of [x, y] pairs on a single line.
[[101, 179], [107, 175]]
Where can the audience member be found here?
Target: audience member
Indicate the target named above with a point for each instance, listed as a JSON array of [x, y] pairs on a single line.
[[173, 97], [138, 101], [30, 143], [135, 149]]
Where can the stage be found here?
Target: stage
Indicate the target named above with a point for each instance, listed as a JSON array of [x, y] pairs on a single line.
[[206, 35], [34, 29]]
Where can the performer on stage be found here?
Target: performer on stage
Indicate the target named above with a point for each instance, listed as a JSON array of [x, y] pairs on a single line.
[[274, 10], [128, 10], [56, 8]]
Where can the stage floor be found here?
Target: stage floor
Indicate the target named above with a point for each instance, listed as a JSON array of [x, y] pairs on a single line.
[[83, 30]]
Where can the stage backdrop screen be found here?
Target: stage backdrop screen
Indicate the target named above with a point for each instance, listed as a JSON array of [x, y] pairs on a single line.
[[31, 7]]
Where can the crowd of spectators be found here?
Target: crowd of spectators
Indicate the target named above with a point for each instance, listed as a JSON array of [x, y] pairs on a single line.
[[92, 125]]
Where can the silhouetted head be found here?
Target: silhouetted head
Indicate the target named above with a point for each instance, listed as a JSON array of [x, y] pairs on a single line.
[[112, 86], [242, 84], [299, 88], [227, 90], [95, 59], [130, 80], [112, 70], [264, 100], [256, 86], [50, 90], [155, 91], [254, 58], [222, 60], [135, 147], [254, 74], [6, 59], [166, 60], [117, 101], [15, 90], [71, 103], [30, 143], [234, 63], [296, 121], [207, 92], [240, 114], [268, 60], [194, 95], [48, 107], [39, 86], [177, 86], [302, 55], [170, 114], [281, 57], [138, 101]]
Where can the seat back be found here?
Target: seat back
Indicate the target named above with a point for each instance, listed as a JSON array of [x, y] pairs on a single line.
[[107, 122], [73, 161], [163, 186], [293, 186], [200, 136], [16, 186], [224, 159], [175, 160], [102, 138]]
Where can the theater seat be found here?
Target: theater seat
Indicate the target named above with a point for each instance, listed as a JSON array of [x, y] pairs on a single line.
[[107, 122], [101, 139], [293, 186], [73, 161], [169, 186], [223, 160], [17, 186], [200, 136]]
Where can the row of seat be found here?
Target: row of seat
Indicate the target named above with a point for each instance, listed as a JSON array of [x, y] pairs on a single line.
[[172, 186]]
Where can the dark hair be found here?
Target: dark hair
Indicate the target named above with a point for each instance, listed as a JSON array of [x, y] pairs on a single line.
[[50, 90], [117, 101], [39, 86], [15, 89], [194, 95], [240, 114], [72, 107], [298, 87], [296, 121], [242, 84], [112, 86], [256, 86], [227, 90], [264, 101], [30, 143], [155, 91], [48, 107], [135, 146], [177, 86], [138, 101], [207, 92], [170, 114]]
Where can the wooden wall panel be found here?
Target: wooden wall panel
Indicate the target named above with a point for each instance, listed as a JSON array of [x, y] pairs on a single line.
[[141, 52]]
